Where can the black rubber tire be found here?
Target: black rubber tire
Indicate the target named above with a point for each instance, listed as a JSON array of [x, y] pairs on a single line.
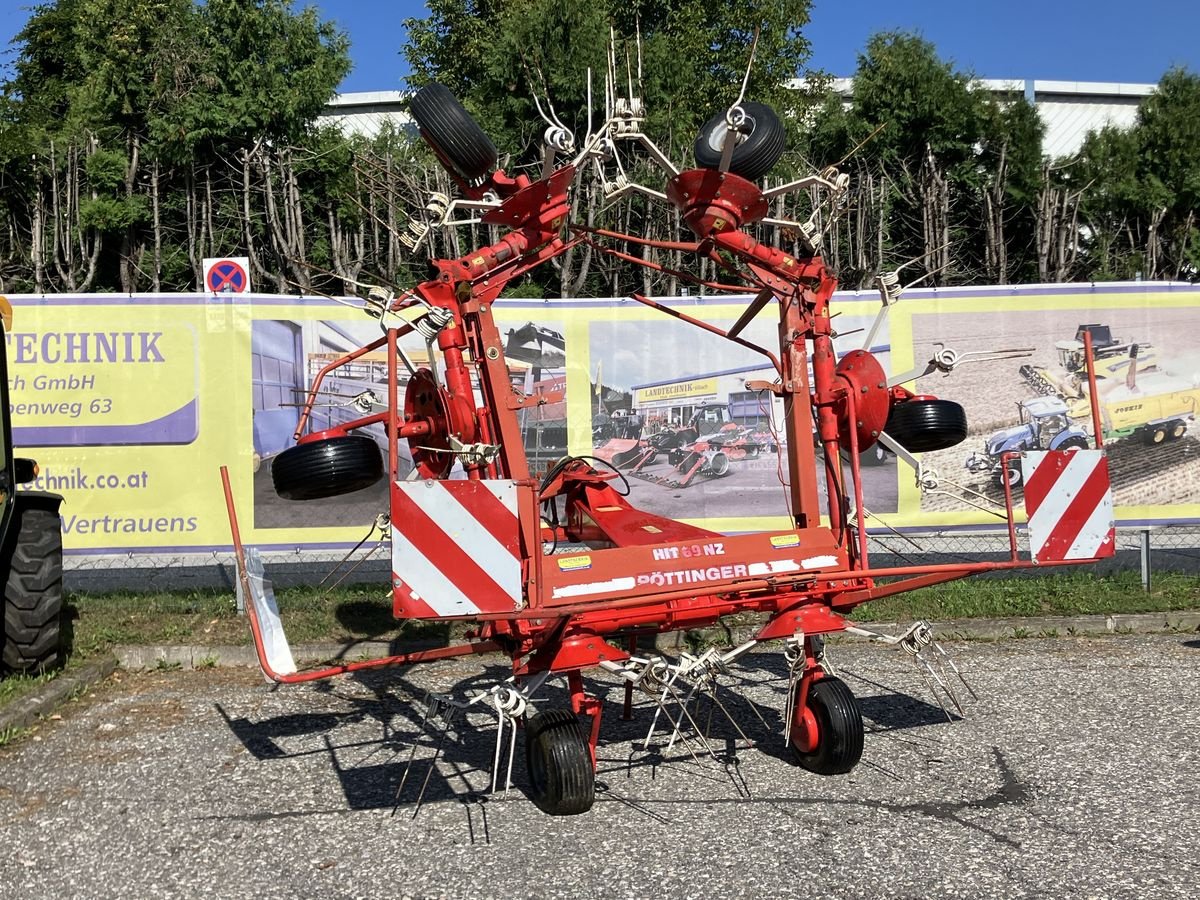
[[562, 780], [327, 468], [31, 557], [754, 156], [920, 426], [1015, 475], [718, 465], [1073, 443], [1178, 430], [875, 455], [839, 728], [453, 132]]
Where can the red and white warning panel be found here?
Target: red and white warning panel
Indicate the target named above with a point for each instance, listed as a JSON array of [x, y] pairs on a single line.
[[1068, 499], [455, 548]]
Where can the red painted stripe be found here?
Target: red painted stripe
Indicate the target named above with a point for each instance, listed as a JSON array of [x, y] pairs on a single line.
[[1042, 481], [403, 604], [428, 538], [1075, 516], [488, 510]]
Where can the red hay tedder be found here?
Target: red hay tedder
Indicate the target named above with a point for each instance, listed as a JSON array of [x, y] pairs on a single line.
[[559, 571]]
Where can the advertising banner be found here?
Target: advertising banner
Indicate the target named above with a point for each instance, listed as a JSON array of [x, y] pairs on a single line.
[[132, 404]]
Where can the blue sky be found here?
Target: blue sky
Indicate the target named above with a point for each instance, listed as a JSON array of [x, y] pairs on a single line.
[[1064, 40]]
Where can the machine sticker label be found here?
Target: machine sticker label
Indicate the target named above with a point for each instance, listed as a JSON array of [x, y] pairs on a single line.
[[690, 551], [817, 562], [694, 576], [595, 587], [775, 567], [574, 563], [785, 540]]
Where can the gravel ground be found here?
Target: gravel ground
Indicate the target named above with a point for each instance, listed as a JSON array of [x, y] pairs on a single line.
[[1073, 775]]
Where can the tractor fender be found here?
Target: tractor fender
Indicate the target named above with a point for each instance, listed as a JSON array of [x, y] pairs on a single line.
[[1071, 437]]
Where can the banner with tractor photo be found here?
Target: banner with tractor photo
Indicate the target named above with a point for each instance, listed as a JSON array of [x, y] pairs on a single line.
[[131, 404]]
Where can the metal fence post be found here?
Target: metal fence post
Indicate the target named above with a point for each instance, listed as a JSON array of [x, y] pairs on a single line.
[[1145, 542]]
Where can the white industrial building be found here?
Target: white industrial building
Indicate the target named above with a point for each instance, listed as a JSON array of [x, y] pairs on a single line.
[[1070, 109]]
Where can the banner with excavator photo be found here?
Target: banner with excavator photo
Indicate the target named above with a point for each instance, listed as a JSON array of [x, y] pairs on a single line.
[[131, 405]]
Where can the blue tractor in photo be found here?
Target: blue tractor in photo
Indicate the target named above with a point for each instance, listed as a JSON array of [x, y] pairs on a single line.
[[1044, 426]]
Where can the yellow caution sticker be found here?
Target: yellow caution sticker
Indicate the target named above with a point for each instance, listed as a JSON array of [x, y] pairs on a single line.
[[574, 563]]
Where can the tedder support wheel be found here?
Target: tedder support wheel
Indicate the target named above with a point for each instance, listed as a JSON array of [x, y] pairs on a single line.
[[327, 467], [32, 561], [754, 154], [452, 132], [923, 425], [562, 780], [839, 728]]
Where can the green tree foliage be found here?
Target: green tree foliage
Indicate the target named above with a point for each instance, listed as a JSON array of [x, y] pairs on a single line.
[[1140, 189], [139, 136], [942, 170], [126, 115], [495, 56], [691, 56]]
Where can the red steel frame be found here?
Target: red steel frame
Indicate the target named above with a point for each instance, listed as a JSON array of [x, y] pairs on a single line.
[[568, 634]]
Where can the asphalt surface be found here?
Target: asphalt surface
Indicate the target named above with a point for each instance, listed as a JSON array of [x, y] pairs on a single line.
[[1073, 775]]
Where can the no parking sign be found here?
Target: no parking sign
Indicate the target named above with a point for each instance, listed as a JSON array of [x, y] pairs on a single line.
[[230, 275]]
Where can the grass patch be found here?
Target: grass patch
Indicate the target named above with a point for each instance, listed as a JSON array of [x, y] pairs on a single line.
[[97, 622], [14, 686], [10, 735], [1066, 594], [209, 618]]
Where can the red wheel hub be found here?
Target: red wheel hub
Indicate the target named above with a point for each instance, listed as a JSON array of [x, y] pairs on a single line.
[[425, 400], [865, 379], [805, 733], [713, 201]]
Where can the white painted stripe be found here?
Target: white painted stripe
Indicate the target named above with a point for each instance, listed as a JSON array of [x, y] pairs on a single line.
[[594, 587], [1070, 480], [1029, 465], [439, 592], [433, 499], [504, 491], [1091, 537], [774, 567]]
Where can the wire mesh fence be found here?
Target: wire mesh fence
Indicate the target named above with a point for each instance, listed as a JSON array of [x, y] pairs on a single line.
[[1146, 549]]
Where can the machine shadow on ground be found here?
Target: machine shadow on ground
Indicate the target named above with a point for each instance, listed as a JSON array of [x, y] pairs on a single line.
[[386, 728]]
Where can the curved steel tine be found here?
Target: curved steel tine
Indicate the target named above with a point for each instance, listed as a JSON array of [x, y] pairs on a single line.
[[448, 718]]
